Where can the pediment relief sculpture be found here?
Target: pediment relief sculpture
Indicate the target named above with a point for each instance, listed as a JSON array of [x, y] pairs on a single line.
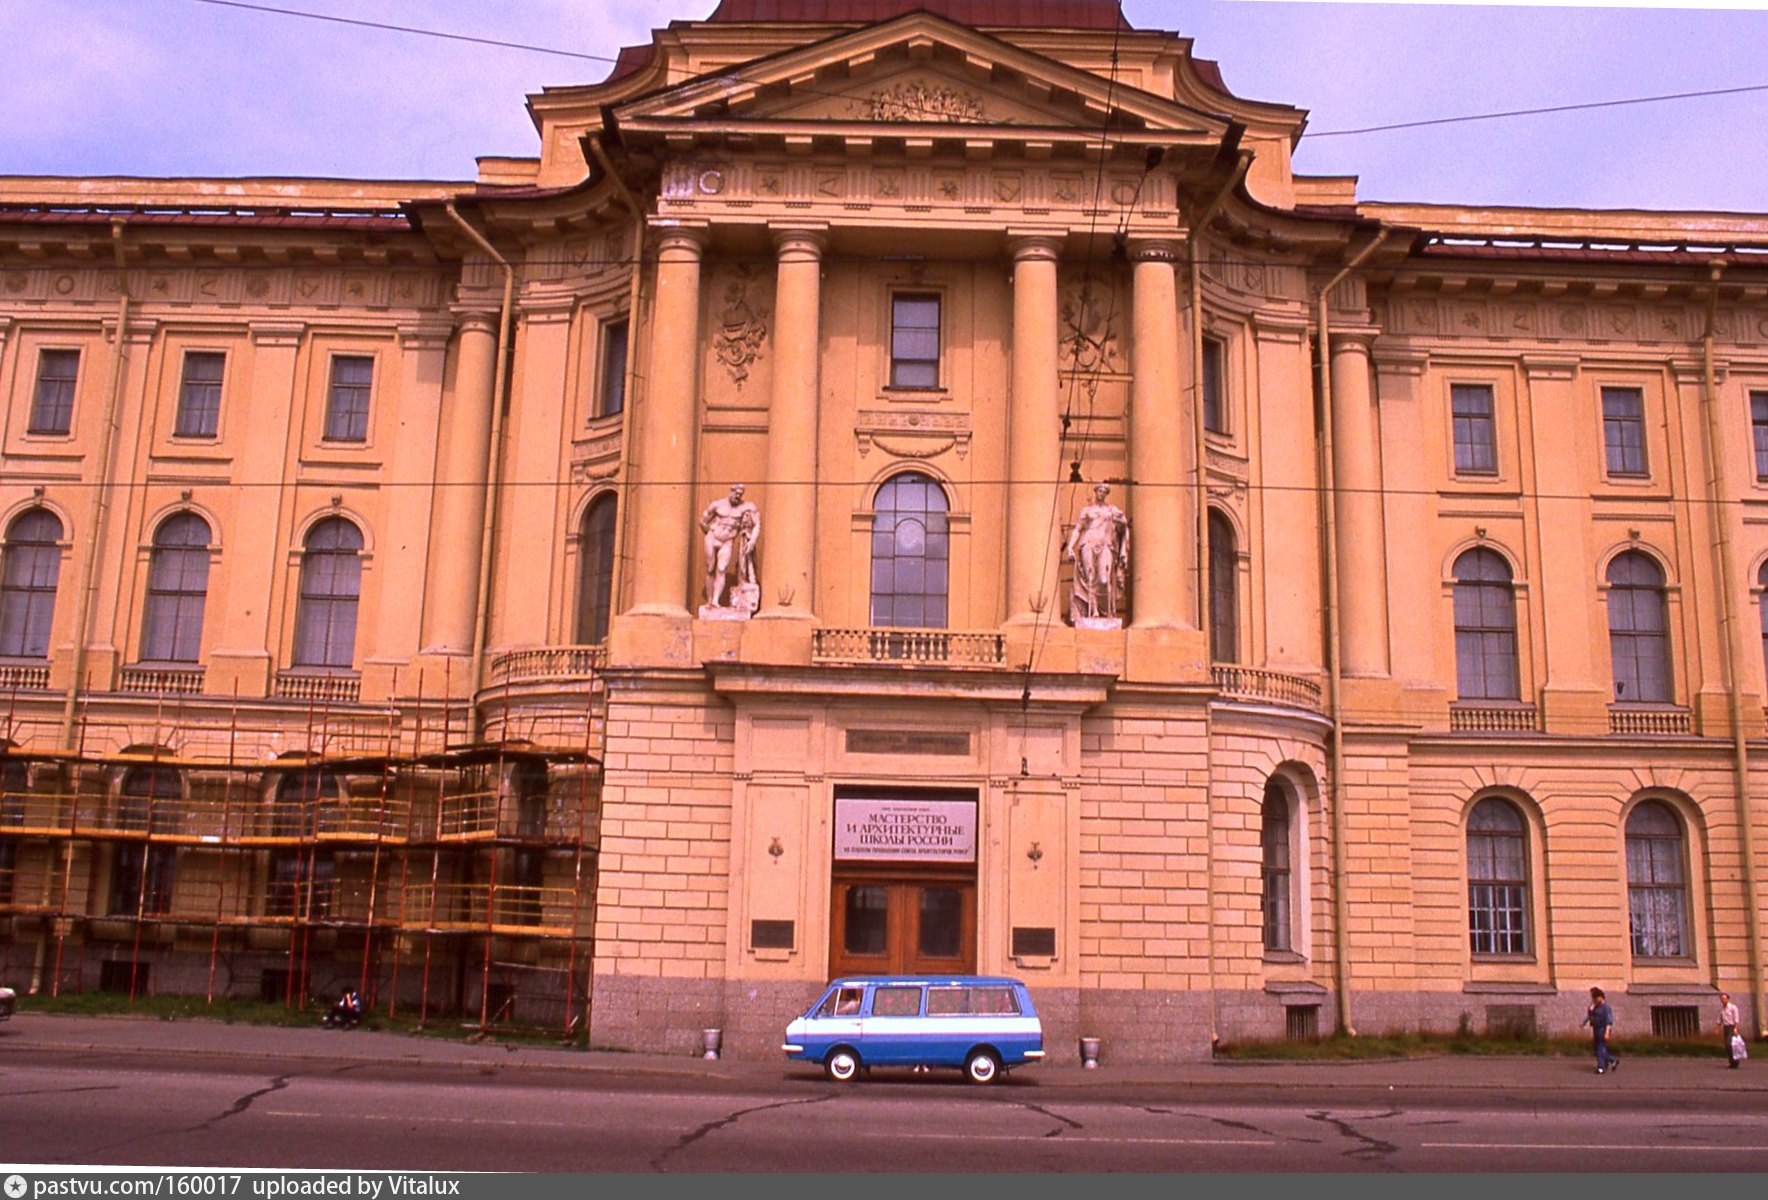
[[919, 101]]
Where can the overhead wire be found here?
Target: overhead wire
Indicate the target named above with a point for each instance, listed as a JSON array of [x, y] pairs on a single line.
[[534, 48]]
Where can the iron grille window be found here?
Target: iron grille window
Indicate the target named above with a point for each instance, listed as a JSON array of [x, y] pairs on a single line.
[[1224, 608], [27, 584], [1623, 430], [346, 409], [1657, 897], [1476, 442], [611, 396], [1301, 1022], [331, 588], [1275, 871], [1497, 878], [1675, 1021], [1638, 637], [914, 341], [177, 590], [911, 554], [1485, 628], [52, 408], [1759, 433], [1214, 408], [199, 395], [595, 570]]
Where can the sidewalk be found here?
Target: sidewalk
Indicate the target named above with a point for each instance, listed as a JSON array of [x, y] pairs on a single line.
[[118, 1034]]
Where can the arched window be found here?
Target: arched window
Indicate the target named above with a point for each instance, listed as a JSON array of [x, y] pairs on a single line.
[[1657, 895], [911, 553], [1762, 582], [1638, 641], [27, 584], [1485, 628], [1224, 609], [1276, 870], [141, 875], [331, 585], [177, 587], [595, 570], [299, 882], [1497, 878]]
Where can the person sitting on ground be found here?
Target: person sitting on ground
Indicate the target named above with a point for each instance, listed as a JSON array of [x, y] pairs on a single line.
[[347, 1012]]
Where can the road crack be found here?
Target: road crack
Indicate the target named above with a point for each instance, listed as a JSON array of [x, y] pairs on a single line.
[[660, 1162], [1041, 1111], [1369, 1148], [243, 1103]]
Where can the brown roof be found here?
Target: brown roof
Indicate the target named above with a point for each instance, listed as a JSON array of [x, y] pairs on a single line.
[[1018, 14]]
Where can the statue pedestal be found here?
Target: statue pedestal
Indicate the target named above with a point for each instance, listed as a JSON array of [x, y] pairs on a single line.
[[718, 612], [745, 598], [1098, 622]]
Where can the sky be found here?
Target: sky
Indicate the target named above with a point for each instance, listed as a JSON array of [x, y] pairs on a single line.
[[188, 88]]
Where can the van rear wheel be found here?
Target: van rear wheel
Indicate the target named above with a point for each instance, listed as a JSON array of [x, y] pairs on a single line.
[[842, 1065], [982, 1067]]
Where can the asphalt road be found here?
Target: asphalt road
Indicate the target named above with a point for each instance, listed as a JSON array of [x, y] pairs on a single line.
[[160, 1107]]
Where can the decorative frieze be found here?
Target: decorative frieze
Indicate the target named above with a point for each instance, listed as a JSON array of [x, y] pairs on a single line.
[[919, 435], [243, 287], [1500, 319]]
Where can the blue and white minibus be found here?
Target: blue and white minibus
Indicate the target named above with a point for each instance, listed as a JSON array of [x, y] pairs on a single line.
[[984, 1025]]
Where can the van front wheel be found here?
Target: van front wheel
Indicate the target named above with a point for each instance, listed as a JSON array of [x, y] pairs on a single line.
[[842, 1065], [982, 1067]]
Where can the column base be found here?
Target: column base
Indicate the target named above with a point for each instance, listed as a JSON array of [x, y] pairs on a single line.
[[1574, 711], [1156, 654], [245, 673], [652, 639], [778, 639]]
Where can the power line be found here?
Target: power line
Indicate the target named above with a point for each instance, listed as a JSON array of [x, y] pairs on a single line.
[[1535, 112], [528, 47]]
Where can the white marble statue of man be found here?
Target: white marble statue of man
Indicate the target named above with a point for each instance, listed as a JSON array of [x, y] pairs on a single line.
[[732, 527], [1099, 547]]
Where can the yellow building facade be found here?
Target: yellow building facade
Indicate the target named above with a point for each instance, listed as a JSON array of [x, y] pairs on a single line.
[[884, 491]]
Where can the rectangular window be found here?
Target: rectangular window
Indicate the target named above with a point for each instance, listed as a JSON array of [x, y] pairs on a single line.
[[1623, 430], [914, 341], [346, 409], [611, 397], [199, 395], [1476, 442], [1759, 433], [1215, 417], [52, 409]]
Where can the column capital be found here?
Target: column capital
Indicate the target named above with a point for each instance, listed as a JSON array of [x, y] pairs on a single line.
[[1035, 247], [476, 320], [1161, 250], [800, 241], [682, 242], [1354, 341], [276, 333]]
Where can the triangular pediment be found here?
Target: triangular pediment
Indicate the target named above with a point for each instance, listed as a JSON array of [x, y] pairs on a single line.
[[915, 71]]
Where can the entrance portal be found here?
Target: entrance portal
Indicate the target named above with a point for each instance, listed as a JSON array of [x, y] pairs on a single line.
[[903, 893]]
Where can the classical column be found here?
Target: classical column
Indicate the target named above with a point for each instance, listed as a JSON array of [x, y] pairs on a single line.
[[1163, 512], [1034, 441], [662, 531], [1356, 466], [460, 495], [788, 511]]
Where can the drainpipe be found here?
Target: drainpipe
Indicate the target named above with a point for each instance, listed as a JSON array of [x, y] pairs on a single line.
[[88, 592], [1197, 434], [494, 463], [1329, 506], [1740, 755]]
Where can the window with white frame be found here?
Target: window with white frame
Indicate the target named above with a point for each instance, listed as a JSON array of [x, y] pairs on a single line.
[[1497, 878], [199, 395], [331, 589], [1638, 630], [177, 591], [1657, 888], [1485, 628]]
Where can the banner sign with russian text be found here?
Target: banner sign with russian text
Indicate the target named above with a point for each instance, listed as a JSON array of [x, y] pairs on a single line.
[[879, 829]]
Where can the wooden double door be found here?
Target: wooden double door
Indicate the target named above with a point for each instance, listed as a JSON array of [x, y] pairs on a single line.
[[902, 921]]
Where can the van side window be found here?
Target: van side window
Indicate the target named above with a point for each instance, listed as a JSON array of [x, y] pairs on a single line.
[[841, 1002], [995, 1001], [948, 1001], [896, 1002]]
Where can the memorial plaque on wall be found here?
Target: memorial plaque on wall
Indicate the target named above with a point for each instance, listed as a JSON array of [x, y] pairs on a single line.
[[903, 829]]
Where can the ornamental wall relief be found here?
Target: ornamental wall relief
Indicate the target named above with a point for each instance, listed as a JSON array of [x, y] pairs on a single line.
[[742, 325], [1088, 330], [919, 102]]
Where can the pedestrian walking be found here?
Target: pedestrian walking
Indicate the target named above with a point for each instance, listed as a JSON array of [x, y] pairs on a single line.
[[1728, 1025], [1601, 1018]]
